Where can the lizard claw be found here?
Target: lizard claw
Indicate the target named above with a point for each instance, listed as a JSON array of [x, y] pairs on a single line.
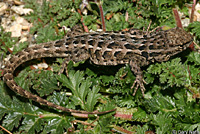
[[138, 82]]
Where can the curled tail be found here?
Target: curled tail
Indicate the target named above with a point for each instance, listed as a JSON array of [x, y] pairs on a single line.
[[38, 51]]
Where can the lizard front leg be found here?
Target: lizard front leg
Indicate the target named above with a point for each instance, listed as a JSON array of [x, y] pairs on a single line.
[[64, 66], [135, 68]]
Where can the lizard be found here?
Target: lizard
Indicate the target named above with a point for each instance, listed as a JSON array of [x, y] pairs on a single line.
[[131, 47]]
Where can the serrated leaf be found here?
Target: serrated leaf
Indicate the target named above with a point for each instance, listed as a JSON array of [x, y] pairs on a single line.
[[162, 121], [46, 34], [140, 115], [128, 102], [46, 83], [92, 98], [194, 57], [188, 127], [20, 47], [161, 103], [12, 120], [106, 80], [141, 130], [61, 99], [73, 82], [32, 124], [5, 101], [107, 106], [16, 111], [58, 125], [84, 89], [173, 72], [195, 28], [82, 94]]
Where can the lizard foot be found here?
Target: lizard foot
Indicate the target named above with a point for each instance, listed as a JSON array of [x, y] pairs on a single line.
[[138, 82]]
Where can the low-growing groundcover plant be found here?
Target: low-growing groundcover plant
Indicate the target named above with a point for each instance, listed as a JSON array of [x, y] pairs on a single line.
[[171, 101]]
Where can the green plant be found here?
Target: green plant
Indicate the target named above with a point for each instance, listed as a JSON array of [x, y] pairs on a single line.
[[171, 101]]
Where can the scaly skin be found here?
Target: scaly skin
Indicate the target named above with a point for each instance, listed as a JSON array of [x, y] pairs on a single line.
[[104, 48]]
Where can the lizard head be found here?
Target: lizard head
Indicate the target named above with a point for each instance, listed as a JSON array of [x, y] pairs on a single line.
[[178, 37], [172, 42]]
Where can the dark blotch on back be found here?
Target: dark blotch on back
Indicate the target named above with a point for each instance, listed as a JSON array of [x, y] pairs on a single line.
[[117, 54], [83, 42], [47, 46], [97, 53], [101, 44], [129, 46], [134, 38], [90, 50], [107, 54], [24, 58], [113, 36], [144, 42], [68, 52], [67, 43], [95, 34], [104, 35], [142, 47], [113, 45], [58, 51], [122, 36], [90, 42], [160, 47], [75, 41], [58, 43], [153, 54], [83, 36], [145, 54], [151, 47]]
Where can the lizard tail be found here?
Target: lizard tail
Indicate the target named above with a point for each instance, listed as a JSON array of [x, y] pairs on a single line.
[[37, 51]]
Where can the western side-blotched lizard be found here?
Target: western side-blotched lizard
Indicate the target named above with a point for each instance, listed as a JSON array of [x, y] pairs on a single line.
[[132, 47]]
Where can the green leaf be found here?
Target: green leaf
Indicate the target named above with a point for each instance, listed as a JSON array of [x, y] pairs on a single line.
[[195, 28], [162, 121], [58, 125], [107, 106], [61, 99], [128, 102], [46, 83], [173, 72], [20, 47], [161, 103], [140, 115], [12, 120], [141, 130], [80, 87], [46, 34], [31, 124], [194, 57], [92, 98], [188, 127]]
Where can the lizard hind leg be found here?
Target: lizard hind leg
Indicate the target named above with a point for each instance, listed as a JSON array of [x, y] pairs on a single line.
[[139, 81]]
